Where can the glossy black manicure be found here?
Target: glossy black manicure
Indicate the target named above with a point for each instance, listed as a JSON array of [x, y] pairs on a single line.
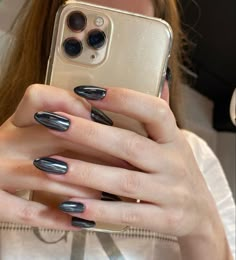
[[82, 223], [71, 206], [52, 121], [51, 165], [109, 197], [99, 117], [168, 74], [90, 92]]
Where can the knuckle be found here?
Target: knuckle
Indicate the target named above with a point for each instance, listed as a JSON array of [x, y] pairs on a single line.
[[180, 169], [130, 217], [183, 173], [85, 175], [91, 133], [27, 214], [174, 220], [163, 112], [133, 145], [99, 214], [122, 97], [183, 198], [32, 91], [130, 184]]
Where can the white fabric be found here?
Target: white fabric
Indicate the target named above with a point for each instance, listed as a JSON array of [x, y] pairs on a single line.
[[217, 184], [17, 245]]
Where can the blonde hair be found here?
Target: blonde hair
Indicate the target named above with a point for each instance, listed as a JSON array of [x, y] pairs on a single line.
[[33, 32]]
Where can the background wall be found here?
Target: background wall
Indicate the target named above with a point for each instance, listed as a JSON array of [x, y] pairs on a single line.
[[9, 10]]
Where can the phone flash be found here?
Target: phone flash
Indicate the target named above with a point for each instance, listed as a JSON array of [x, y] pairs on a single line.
[[99, 21]]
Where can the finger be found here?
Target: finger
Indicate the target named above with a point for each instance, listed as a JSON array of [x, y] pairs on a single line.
[[153, 112], [48, 98], [42, 143], [16, 210], [165, 94], [85, 153], [119, 181], [137, 150], [22, 175], [140, 215]]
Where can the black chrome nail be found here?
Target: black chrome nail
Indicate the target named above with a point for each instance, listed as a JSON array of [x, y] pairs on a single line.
[[99, 117], [82, 223], [51, 165], [109, 197], [90, 92], [71, 206], [52, 121], [168, 74]]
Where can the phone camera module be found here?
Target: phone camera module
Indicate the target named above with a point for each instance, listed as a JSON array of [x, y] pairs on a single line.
[[77, 21], [73, 47], [96, 39]]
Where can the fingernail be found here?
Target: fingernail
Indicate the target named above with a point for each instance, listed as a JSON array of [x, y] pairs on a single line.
[[168, 74], [109, 197], [90, 92], [99, 117], [71, 206], [51, 165], [82, 223], [52, 121]]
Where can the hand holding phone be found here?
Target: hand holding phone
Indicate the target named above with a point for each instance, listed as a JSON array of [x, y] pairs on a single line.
[[99, 46]]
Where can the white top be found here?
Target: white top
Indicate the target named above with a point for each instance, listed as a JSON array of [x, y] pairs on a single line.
[[22, 242]]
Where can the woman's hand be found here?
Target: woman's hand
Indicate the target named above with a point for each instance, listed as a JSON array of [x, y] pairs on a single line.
[[165, 176], [23, 140]]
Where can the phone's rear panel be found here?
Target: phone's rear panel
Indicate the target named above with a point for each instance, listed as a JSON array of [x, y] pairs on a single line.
[[136, 56]]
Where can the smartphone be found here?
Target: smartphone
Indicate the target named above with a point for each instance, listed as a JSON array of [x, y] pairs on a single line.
[[101, 46]]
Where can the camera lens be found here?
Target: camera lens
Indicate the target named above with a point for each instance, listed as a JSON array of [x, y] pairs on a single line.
[[96, 39], [77, 21], [72, 47]]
